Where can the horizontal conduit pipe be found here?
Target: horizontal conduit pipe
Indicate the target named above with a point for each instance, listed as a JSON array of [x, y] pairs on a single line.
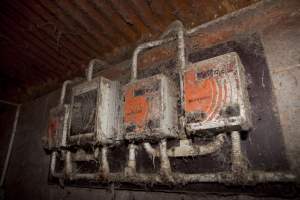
[[188, 150], [250, 177]]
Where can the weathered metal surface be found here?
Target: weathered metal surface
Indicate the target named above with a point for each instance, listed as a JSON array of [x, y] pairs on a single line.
[[215, 95], [46, 38], [150, 108], [167, 174], [95, 111]]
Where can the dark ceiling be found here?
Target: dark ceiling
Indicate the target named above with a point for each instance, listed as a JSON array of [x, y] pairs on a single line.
[[45, 42]]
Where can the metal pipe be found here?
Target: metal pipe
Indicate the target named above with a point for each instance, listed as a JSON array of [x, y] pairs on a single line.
[[53, 165], [130, 170], [249, 178], [181, 60], [142, 47], [238, 164], [186, 148], [104, 162], [68, 165], [91, 67], [11, 142], [63, 92], [178, 28], [165, 167]]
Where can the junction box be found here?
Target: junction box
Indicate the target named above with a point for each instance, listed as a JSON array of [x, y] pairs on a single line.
[[150, 109], [215, 95], [95, 112]]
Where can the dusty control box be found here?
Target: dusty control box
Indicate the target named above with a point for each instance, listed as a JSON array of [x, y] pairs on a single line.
[[95, 111], [150, 109], [57, 128], [215, 95]]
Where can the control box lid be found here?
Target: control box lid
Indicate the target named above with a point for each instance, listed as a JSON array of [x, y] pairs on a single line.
[[149, 109], [215, 95]]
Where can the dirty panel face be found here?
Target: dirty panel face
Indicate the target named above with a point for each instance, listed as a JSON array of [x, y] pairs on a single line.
[[56, 131], [149, 109], [83, 113], [215, 95], [142, 106], [95, 112]]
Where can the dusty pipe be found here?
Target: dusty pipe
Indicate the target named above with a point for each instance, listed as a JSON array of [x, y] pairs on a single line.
[[249, 178], [197, 150], [10, 145], [91, 67], [236, 153], [53, 164], [130, 170], [142, 47], [181, 60], [165, 167], [63, 92], [187, 149], [178, 28], [104, 162], [68, 165]]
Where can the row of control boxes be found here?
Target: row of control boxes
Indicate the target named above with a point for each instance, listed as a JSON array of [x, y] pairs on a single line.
[[101, 112]]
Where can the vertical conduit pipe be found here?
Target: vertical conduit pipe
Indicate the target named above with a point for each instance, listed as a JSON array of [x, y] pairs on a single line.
[[178, 28], [68, 165], [53, 165], [165, 167], [11, 142], [236, 155], [131, 165], [63, 92], [64, 137], [104, 165]]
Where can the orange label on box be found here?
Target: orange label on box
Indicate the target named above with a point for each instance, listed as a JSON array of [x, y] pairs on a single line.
[[202, 94], [135, 108]]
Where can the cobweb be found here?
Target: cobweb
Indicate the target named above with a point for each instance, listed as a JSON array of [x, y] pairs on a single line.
[[83, 113]]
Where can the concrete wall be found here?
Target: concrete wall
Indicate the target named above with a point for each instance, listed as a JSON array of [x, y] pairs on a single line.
[[282, 48], [28, 169]]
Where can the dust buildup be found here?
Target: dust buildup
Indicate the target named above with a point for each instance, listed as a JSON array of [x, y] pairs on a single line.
[[83, 113]]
